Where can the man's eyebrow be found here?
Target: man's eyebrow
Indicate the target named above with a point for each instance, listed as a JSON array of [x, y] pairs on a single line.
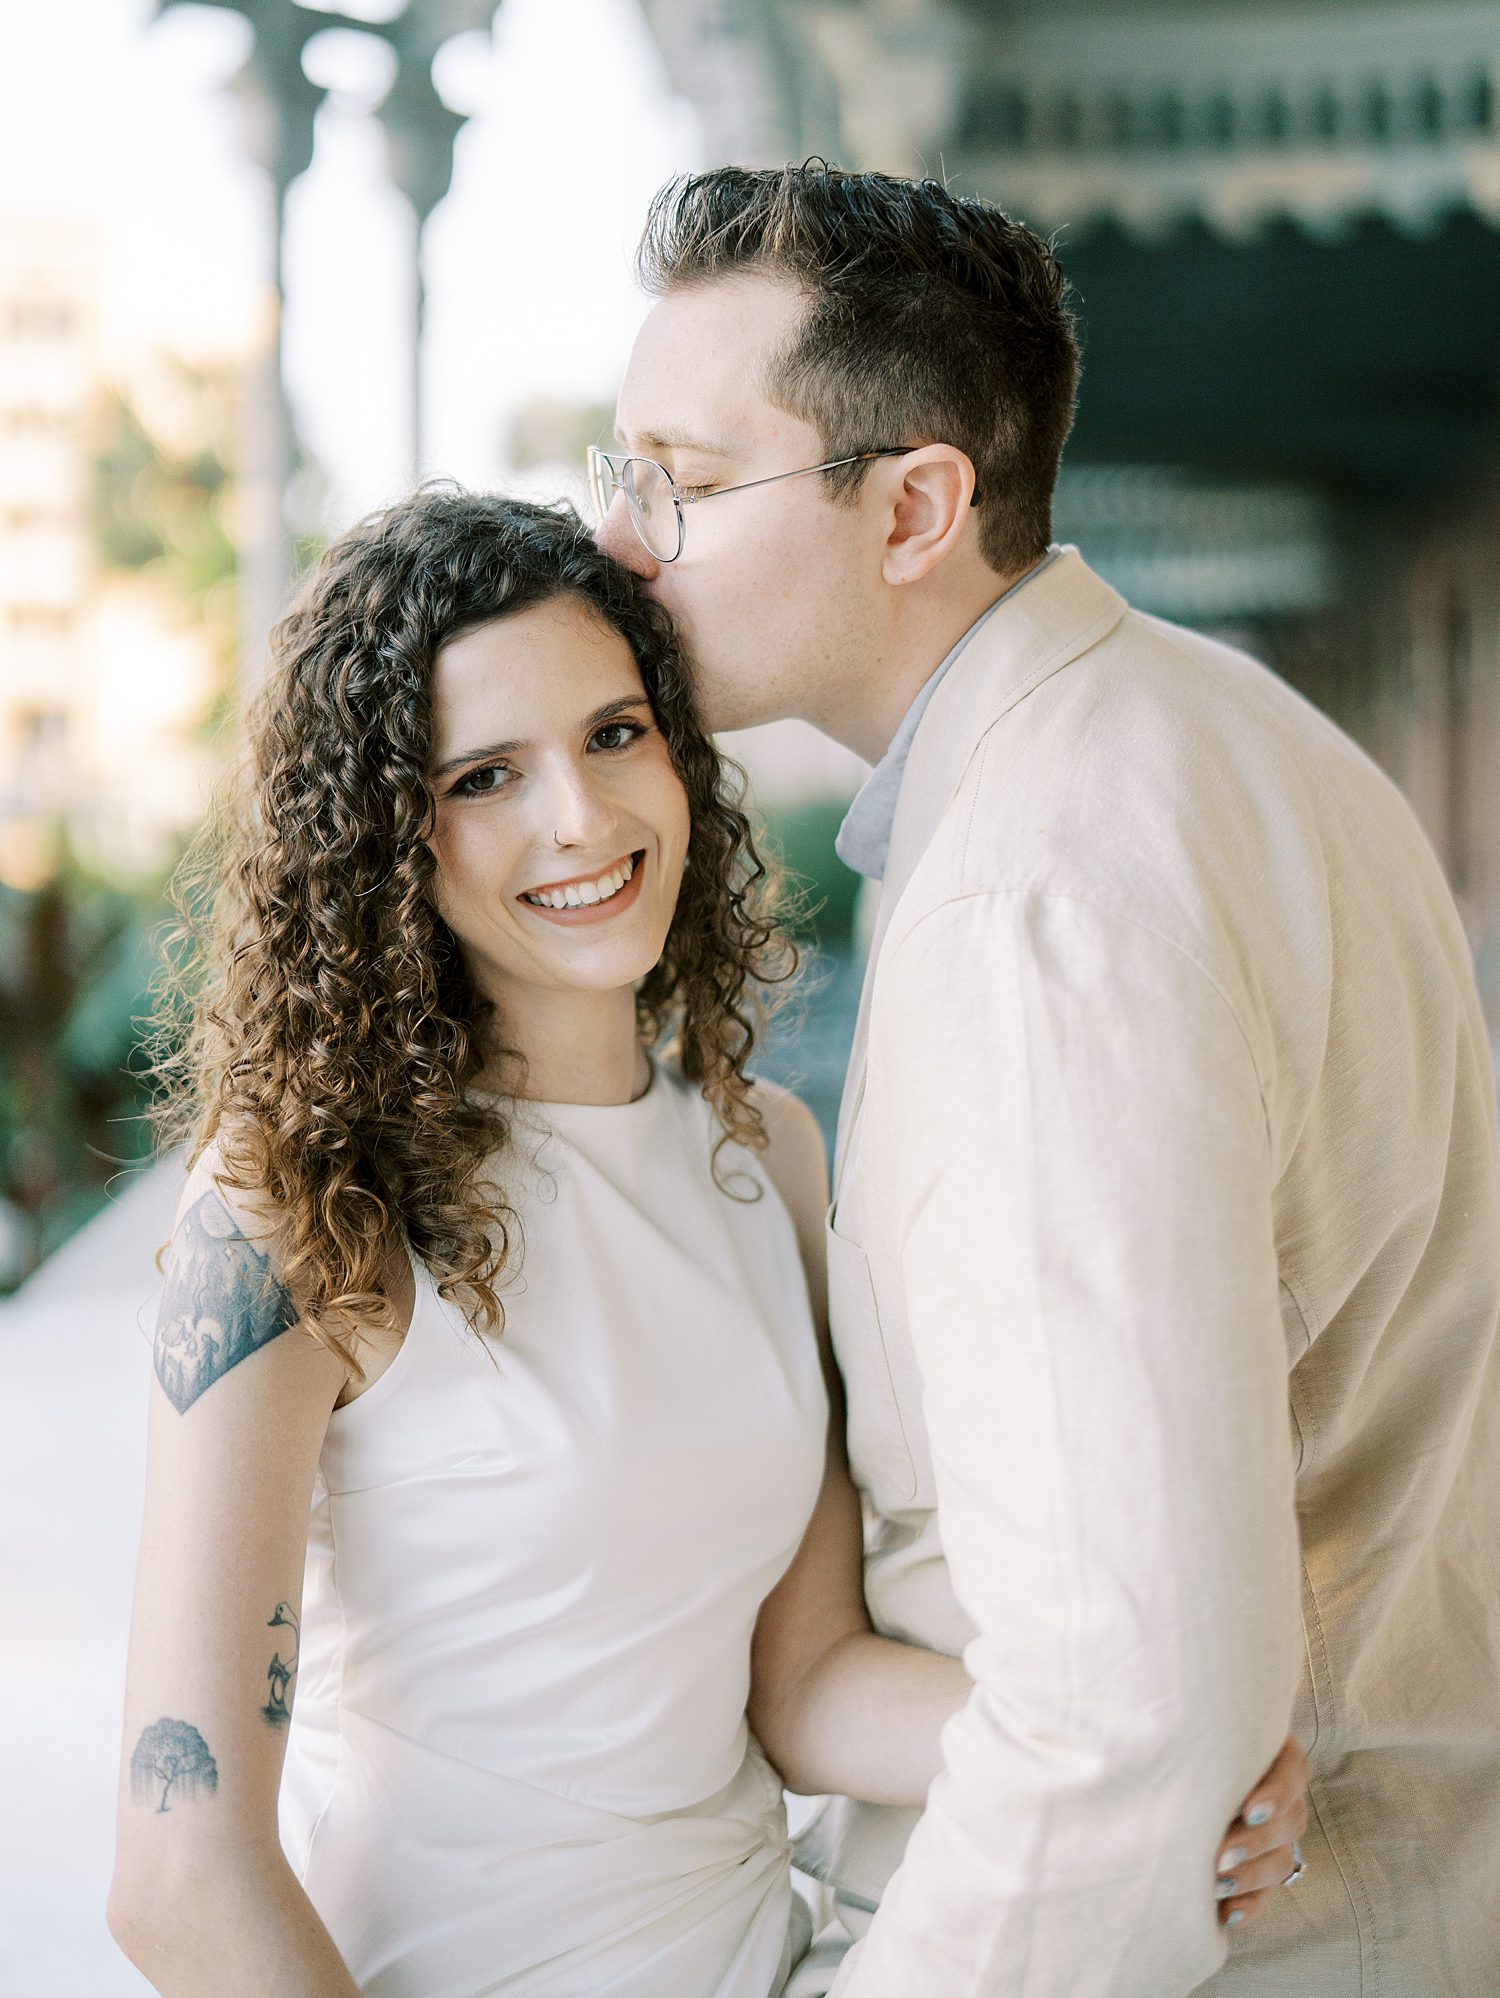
[[675, 438], [585, 727]]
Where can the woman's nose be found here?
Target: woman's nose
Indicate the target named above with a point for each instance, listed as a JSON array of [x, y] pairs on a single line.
[[618, 538], [579, 813]]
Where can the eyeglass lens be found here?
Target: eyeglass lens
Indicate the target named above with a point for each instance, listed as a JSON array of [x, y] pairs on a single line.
[[648, 494], [648, 491]]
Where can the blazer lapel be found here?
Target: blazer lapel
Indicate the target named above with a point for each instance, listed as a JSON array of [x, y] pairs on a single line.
[[1044, 627]]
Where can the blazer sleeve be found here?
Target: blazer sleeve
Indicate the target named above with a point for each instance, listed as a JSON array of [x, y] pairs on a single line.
[[1083, 1212]]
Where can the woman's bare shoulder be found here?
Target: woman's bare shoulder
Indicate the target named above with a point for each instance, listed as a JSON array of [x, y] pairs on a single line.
[[795, 1158], [791, 1128], [253, 1213], [225, 1297]]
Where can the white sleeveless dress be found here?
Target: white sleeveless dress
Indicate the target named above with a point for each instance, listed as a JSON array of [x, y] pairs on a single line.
[[518, 1760]]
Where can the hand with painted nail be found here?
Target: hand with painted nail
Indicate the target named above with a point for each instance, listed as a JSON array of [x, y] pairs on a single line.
[[1261, 1849]]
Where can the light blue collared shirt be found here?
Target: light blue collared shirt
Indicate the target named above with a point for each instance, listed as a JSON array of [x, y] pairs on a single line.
[[864, 839]]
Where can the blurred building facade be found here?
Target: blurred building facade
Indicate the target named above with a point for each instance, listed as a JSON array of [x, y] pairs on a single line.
[[1282, 224], [48, 382], [104, 677]]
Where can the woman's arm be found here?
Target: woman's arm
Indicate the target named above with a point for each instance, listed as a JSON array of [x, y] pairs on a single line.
[[837, 1708], [840, 1710], [203, 1900]]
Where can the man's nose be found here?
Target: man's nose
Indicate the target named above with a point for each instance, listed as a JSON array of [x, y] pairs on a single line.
[[618, 538]]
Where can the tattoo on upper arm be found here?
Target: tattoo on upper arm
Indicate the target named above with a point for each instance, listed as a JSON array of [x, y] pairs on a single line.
[[173, 1754], [282, 1671], [220, 1305]]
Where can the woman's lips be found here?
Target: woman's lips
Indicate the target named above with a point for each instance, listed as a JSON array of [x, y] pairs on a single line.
[[593, 912]]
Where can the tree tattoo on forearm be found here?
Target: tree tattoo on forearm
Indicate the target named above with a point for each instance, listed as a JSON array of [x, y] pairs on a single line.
[[221, 1303], [282, 1671], [173, 1754]]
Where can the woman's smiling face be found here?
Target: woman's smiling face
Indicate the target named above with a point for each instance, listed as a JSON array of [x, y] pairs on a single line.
[[552, 784]]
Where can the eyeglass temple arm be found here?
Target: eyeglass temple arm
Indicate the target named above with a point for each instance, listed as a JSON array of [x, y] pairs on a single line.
[[681, 499], [802, 471]]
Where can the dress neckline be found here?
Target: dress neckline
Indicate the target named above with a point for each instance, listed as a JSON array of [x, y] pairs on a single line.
[[647, 1096], [655, 1086]]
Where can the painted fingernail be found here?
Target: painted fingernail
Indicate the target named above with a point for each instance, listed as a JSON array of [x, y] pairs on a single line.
[[1231, 1859], [1236, 1916], [1224, 1889], [1259, 1814]]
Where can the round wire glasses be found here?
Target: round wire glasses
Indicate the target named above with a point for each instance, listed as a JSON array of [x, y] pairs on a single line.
[[655, 500]]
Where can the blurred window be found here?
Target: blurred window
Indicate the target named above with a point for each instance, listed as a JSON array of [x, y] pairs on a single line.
[[41, 729]]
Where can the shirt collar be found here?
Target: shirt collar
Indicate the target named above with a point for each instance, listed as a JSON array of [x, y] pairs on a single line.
[[864, 838]]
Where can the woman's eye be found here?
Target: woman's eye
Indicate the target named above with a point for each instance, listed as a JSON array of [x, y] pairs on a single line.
[[693, 492], [624, 733], [473, 783]]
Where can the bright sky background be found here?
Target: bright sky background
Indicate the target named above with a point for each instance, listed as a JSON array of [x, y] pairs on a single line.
[[109, 115]]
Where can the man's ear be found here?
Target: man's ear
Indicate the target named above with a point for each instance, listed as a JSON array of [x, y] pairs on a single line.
[[929, 509]]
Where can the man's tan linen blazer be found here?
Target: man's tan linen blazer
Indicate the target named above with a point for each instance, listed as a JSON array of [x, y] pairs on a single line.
[[1165, 1273]]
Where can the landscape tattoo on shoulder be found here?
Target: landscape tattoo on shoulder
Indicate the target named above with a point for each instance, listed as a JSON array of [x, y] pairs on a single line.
[[221, 1303]]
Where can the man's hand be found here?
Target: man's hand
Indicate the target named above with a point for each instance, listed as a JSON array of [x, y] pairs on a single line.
[[1257, 1853]]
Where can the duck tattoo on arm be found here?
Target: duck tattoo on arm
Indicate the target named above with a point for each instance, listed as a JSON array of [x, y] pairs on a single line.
[[282, 1671]]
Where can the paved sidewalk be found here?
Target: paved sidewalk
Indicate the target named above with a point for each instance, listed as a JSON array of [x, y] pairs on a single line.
[[75, 1360]]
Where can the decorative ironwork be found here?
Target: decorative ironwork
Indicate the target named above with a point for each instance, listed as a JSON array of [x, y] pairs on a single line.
[[1236, 119], [1230, 116]]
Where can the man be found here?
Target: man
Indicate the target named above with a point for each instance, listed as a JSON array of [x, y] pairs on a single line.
[[1164, 1250]]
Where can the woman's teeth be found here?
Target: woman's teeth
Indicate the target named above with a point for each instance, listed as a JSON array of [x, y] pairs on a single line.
[[583, 894]]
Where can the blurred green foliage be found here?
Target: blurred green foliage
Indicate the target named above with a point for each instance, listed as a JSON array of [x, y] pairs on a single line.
[[76, 953], [156, 506], [75, 970], [161, 510]]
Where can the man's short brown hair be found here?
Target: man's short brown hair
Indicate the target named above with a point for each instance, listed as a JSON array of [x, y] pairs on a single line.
[[931, 319]]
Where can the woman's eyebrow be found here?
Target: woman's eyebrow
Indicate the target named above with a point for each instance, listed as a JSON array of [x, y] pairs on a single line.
[[585, 727]]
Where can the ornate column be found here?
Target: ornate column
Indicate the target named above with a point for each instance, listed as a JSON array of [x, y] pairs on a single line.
[[280, 107]]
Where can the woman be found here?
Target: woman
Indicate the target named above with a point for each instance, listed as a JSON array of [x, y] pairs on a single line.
[[492, 1413]]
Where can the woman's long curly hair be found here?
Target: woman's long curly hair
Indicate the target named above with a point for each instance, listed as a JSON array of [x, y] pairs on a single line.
[[314, 1017]]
